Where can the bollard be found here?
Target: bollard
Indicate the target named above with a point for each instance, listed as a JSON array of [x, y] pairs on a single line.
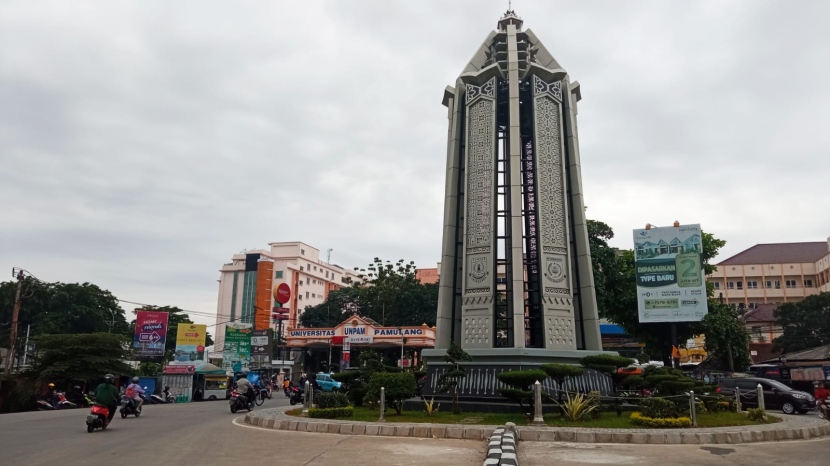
[[538, 418], [382, 404], [306, 398], [737, 400], [760, 391], [311, 397], [693, 408]]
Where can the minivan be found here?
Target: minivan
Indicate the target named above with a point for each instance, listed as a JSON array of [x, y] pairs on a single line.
[[776, 394]]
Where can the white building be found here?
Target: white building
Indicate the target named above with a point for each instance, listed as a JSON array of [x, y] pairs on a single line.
[[246, 284]]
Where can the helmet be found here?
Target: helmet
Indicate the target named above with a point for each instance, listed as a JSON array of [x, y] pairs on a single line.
[[51, 385], [135, 379], [243, 375], [167, 387], [76, 388], [109, 378]]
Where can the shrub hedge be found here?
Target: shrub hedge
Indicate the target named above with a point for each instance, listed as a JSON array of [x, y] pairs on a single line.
[[659, 408], [325, 400], [330, 413], [645, 421]]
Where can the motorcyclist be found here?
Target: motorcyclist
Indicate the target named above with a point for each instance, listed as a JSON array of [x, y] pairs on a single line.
[[244, 385], [52, 395], [107, 395], [135, 391], [76, 396], [166, 393], [822, 394]]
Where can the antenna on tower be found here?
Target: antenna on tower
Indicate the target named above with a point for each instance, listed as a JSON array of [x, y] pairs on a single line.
[[328, 255]]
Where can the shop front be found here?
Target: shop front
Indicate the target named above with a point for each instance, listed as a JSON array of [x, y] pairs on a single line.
[[338, 348]]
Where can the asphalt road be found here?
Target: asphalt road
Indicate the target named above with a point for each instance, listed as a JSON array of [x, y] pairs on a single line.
[[207, 434]]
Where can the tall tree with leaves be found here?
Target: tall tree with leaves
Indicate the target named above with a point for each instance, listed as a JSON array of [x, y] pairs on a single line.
[[806, 323], [68, 358], [725, 334]]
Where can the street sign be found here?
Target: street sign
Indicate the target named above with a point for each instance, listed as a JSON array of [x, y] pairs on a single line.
[[361, 339], [404, 363], [347, 346], [282, 293]]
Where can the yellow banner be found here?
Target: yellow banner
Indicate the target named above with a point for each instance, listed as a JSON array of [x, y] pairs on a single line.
[[191, 334]]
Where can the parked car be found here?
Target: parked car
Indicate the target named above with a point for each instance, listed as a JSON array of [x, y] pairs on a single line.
[[776, 394], [326, 383]]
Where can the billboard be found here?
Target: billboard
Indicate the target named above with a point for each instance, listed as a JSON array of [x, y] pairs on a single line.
[[236, 354], [190, 344], [150, 333], [671, 286], [261, 347]]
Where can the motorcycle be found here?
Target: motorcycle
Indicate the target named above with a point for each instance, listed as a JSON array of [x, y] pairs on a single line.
[[128, 406], [820, 411], [58, 401], [239, 401], [97, 418], [162, 399], [296, 396]]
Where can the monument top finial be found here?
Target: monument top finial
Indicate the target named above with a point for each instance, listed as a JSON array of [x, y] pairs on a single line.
[[510, 17]]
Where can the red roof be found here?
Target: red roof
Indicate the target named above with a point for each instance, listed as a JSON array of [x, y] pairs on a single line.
[[779, 253], [762, 313]]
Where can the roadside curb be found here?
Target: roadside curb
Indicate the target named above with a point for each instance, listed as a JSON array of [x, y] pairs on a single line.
[[502, 448], [802, 429]]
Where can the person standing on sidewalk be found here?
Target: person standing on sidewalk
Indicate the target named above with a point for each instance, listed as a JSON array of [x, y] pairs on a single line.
[[107, 395]]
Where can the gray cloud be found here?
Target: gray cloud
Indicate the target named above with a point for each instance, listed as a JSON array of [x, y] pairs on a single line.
[[141, 144]]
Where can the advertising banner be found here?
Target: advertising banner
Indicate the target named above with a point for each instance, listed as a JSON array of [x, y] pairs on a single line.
[[671, 286], [190, 344], [260, 347], [236, 354], [150, 333]]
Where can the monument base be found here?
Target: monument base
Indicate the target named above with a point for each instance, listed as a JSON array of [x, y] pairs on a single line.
[[481, 384]]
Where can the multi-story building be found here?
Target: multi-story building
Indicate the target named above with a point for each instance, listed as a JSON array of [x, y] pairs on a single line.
[[428, 275], [246, 284], [773, 274]]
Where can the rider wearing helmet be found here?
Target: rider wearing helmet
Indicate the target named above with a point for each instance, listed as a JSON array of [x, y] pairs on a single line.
[[243, 385], [107, 395], [135, 391]]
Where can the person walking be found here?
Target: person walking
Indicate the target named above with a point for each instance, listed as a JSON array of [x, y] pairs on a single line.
[[106, 394]]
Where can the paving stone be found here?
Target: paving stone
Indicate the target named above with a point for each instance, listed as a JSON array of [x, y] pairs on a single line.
[[704, 438], [421, 432], [620, 437], [566, 436], [301, 425], [673, 438], [372, 429], [546, 435], [269, 423], [359, 429], [639, 438], [720, 437], [769, 435], [734, 437], [346, 428], [311, 427], [403, 431], [455, 432], [586, 437], [439, 431], [528, 435], [283, 424], [602, 437], [334, 428], [387, 430], [805, 433], [746, 437], [473, 433], [757, 435], [815, 431]]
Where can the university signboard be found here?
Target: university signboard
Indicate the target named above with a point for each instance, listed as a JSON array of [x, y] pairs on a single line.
[[671, 286]]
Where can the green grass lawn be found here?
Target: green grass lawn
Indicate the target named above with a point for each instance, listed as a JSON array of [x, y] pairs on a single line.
[[608, 420]]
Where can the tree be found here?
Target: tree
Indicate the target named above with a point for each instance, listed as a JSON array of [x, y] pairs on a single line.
[[60, 308], [607, 364], [806, 323], [725, 334], [389, 294], [175, 317], [80, 357], [449, 380], [521, 383], [398, 387], [561, 373]]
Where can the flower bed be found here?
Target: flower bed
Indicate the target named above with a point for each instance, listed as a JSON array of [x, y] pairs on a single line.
[[659, 422]]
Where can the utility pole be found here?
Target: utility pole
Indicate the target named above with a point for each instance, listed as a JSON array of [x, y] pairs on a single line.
[[15, 314], [111, 323], [26, 345]]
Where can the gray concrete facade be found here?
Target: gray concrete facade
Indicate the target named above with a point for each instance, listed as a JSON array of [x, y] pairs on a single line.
[[513, 197]]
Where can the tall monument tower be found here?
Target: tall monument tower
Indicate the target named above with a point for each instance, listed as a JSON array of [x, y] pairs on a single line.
[[516, 277]]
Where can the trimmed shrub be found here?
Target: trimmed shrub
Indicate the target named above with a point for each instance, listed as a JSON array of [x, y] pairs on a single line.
[[346, 376], [639, 420], [756, 414], [398, 386], [605, 362], [633, 382], [659, 408], [330, 413], [595, 403], [521, 381], [326, 400]]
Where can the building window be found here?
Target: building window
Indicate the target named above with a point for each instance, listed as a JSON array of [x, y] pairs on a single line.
[[313, 295], [741, 306], [740, 285], [751, 285], [315, 268], [756, 332], [715, 284], [730, 285], [752, 305], [301, 283], [302, 251], [790, 283], [301, 268], [279, 273], [327, 274], [769, 283], [300, 297], [808, 283], [306, 294]]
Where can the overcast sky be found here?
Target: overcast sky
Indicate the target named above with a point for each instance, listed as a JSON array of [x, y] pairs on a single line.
[[144, 143]]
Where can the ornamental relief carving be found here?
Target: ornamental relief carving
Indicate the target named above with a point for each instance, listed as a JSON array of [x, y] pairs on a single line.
[[480, 176], [550, 172]]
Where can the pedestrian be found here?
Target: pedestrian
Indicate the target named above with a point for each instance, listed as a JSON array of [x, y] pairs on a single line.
[[822, 394], [106, 394]]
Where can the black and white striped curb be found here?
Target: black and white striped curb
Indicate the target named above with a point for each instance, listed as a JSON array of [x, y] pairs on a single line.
[[502, 448]]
